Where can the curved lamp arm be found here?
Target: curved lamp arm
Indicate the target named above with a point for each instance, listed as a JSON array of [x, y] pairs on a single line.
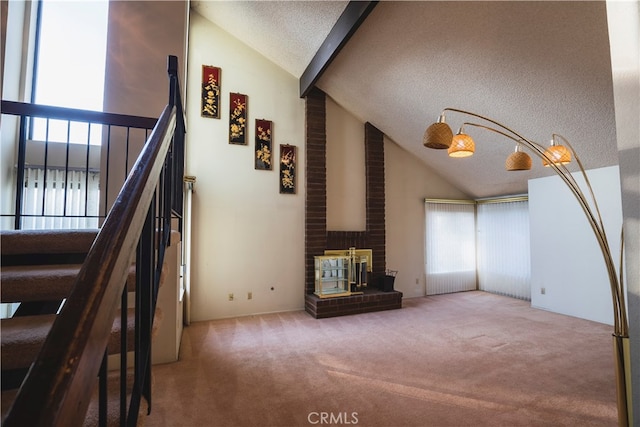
[[595, 220], [490, 129], [621, 327], [584, 174], [540, 150]]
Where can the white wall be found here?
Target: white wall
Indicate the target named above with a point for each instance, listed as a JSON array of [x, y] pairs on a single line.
[[167, 338], [565, 257], [247, 236], [407, 183]]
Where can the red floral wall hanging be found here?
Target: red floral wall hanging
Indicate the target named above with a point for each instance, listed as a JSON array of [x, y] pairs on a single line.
[[287, 169], [210, 92]]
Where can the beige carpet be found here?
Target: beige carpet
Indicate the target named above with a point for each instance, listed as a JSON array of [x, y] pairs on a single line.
[[466, 359]]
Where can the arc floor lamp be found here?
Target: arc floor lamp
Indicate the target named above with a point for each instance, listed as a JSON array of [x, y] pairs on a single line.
[[556, 156]]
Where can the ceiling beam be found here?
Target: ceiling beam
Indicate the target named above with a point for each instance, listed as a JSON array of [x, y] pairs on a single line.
[[354, 14]]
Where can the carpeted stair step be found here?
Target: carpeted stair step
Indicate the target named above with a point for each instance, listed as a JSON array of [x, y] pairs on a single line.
[[25, 283], [22, 283], [32, 247], [22, 338], [41, 266]]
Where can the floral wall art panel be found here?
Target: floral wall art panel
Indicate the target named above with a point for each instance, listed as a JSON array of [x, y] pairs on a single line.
[[264, 134], [287, 169], [238, 119], [210, 92]]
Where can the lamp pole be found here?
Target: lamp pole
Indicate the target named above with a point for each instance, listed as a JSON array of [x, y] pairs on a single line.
[[439, 136]]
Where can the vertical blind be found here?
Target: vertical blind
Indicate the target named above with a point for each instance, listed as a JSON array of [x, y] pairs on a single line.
[[69, 200], [450, 247], [478, 245], [504, 260]]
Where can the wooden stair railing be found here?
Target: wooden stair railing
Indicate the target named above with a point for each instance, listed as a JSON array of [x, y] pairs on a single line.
[[58, 387]]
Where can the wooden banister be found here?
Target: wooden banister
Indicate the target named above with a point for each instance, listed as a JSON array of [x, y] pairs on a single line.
[[73, 114]]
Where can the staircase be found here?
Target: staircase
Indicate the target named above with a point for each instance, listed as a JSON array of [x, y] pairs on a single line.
[[39, 268], [57, 363]]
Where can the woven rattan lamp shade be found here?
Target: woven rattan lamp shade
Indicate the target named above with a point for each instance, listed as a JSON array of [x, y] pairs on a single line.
[[438, 136], [559, 154], [518, 161], [462, 145]]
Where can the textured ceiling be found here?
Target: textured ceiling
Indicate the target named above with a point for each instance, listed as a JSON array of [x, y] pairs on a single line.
[[289, 33], [537, 67]]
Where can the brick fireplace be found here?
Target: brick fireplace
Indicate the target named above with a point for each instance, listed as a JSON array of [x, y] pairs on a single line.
[[318, 238]]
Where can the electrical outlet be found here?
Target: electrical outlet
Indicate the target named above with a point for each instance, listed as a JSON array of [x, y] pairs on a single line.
[[249, 295], [417, 281], [543, 291], [230, 297]]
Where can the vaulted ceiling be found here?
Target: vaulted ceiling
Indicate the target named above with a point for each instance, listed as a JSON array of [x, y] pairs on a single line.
[[537, 67]]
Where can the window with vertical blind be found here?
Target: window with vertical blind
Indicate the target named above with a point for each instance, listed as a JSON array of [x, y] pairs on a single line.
[[478, 245], [450, 246]]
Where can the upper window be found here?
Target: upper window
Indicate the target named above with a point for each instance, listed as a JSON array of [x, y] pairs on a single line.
[[70, 63]]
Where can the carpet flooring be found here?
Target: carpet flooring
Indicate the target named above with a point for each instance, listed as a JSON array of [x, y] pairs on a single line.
[[465, 359]]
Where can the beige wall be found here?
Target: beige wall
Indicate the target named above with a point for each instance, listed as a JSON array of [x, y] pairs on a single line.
[[408, 183], [346, 186], [247, 236], [141, 35]]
